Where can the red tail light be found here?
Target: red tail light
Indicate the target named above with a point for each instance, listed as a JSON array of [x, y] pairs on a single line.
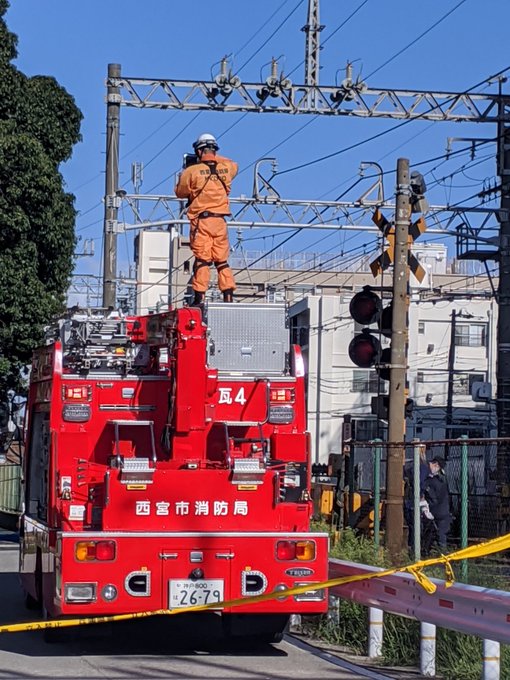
[[282, 394], [105, 551], [286, 550], [80, 393], [295, 550], [88, 551]]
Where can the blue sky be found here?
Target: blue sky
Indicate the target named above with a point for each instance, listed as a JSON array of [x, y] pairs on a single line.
[[74, 41]]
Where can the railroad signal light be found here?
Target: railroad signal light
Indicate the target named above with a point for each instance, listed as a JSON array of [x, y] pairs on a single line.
[[365, 307], [419, 203], [365, 349], [380, 407], [383, 369], [386, 320]]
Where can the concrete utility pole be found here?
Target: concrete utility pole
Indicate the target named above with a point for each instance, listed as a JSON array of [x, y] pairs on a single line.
[[503, 358], [112, 201], [398, 368], [451, 376]]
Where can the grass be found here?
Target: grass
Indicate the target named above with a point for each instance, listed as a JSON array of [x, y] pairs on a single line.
[[458, 656]]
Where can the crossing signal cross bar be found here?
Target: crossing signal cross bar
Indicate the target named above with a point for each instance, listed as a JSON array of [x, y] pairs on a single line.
[[383, 261]]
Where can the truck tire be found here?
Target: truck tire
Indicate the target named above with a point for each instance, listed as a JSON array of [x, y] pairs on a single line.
[[32, 603], [56, 635]]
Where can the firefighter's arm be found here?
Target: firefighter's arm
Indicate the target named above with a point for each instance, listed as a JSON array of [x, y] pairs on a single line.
[[233, 170], [183, 187]]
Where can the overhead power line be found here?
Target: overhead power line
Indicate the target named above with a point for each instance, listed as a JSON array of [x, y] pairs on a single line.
[[259, 29], [271, 36], [413, 42], [384, 132]]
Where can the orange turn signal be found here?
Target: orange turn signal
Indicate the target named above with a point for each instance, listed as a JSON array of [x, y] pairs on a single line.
[[305, 550], [85, 551]]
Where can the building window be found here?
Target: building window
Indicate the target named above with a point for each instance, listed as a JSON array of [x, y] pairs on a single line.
[[300, 329], [463, 382], [368, 381], [471, 334], [421, 327]]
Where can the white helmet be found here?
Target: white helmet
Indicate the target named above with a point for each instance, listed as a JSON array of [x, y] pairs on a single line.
[[204, 140]]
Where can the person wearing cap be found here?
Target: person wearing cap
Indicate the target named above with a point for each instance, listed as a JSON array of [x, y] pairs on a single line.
[[436, 494], [206, 184]]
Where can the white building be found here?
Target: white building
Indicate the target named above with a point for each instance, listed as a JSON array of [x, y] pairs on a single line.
[[319, 299], [323, 326]]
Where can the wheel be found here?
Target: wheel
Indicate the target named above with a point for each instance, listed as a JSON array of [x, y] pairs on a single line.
[[32, 603], [269, 638], [55, 635]]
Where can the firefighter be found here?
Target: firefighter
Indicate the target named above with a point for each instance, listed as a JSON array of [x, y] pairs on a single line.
[[206, 184]]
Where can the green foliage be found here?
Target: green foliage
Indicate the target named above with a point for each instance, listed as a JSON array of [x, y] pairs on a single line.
[[39, 125], [359, 548], [401, 641], [348, 628], [459, 656]]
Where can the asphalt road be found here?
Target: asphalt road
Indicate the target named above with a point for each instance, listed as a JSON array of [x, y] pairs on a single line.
[[180, 647]]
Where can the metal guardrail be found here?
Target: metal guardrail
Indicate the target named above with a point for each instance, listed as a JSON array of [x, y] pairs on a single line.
[[483, 612], [468, 609]]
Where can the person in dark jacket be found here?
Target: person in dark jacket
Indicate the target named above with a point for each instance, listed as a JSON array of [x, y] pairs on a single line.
[[409, 491], [436, 494]]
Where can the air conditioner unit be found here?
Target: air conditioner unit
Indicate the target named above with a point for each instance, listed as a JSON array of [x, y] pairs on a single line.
[[481, 391]]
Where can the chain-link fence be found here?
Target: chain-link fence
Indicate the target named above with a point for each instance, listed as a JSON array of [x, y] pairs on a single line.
[[478, 508]]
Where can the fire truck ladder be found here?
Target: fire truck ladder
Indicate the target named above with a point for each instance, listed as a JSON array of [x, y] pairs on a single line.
[[248, 470], [134, 470]]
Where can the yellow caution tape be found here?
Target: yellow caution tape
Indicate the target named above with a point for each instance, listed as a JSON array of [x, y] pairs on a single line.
[[416, 570]]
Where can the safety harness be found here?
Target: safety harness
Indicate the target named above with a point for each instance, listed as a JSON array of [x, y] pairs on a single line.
[[198, 264], [213, 170]]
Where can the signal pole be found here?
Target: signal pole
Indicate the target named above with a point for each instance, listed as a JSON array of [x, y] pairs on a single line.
[[451, 376], [398, 368], [503, 298]]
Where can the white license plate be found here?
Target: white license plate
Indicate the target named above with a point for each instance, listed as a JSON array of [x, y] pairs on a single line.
[[188, 593]]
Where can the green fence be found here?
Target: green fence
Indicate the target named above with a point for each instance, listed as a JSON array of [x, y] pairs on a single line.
[[10, 488], [470, 471]]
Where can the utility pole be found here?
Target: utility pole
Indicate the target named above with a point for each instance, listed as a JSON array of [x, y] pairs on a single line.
[[503, 359], [112, 201], [398, 368], [451, 374]]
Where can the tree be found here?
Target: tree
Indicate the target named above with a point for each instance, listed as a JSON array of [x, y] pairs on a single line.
[[39, 125]]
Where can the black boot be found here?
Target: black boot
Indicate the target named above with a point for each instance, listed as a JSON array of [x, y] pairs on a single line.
[[198, 300], [228, 295]]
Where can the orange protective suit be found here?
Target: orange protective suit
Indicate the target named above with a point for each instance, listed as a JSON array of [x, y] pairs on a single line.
[[207, 193]]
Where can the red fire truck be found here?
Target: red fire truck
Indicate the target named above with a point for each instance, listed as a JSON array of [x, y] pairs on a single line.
[[168, 465]]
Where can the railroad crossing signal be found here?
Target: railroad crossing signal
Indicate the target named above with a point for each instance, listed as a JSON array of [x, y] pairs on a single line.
[[382, 262], [365, 349]]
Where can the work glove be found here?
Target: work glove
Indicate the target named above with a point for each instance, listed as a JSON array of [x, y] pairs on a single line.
[[425, 510]]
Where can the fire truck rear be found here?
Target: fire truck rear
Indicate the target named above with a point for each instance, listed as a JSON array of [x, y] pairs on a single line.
[[168, 465]]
